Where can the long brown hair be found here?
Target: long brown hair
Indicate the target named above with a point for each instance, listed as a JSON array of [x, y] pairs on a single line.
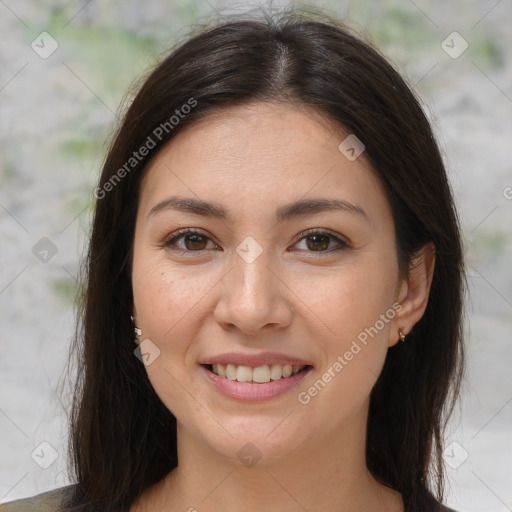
[[122, 437]]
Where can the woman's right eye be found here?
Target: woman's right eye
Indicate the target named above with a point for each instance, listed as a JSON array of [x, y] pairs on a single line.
[[193, 241]]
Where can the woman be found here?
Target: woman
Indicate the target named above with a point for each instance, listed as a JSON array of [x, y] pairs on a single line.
[[273, 300]]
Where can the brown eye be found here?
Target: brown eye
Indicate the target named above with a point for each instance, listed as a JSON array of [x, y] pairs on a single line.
[[195, 242], [321, 242], [318, 242], [187, 240]]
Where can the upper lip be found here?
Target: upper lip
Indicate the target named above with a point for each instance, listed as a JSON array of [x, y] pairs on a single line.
[[260, 359]]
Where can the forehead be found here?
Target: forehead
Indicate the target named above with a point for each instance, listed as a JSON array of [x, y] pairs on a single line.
[[270, 130], [258, 154]]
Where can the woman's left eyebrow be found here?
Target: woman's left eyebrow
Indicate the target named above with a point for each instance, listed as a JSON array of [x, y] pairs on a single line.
[[286, 212], [317, 205]]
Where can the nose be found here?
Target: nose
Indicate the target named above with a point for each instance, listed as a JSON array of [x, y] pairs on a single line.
[[254, 297]]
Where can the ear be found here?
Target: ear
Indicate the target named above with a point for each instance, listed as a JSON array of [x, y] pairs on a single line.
[[414, 292]]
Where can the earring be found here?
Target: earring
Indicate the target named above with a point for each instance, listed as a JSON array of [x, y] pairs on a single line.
[[402, 336], [137, 331]]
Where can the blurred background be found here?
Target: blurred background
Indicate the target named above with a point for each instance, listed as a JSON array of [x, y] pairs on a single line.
[[65, 69]]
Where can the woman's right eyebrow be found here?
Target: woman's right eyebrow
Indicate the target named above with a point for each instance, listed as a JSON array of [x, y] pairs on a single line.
[[192, 205], [286, 212]]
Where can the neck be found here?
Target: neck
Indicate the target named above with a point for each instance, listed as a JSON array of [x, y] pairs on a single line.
[[320, 474]]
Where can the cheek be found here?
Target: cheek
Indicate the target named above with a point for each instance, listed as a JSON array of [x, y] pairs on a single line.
[[170, 304], [350, 298], [166, 300], [353, 306], [342, 386], [163, 298]]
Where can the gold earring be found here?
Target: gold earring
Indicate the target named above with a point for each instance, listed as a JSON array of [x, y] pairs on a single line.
[[402, 336]]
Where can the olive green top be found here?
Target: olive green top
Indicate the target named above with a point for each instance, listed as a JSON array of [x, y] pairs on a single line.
[[49, 501]]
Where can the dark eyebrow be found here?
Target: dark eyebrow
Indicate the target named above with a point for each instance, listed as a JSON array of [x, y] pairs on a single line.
[[191, 205], [308, 206], [295, 209]]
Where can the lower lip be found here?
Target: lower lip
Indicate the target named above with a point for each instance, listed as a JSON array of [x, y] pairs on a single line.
[[252, 392]]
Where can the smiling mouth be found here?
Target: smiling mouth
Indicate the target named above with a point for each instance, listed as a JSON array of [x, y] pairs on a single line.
[[258, 375]]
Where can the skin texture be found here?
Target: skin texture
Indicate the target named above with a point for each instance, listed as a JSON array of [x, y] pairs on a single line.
[[293, 299]]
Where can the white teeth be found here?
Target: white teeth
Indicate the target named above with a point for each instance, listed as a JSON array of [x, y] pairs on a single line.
[[276, 371], [259, 374], [220, 370], [295, 369], [244, 374], [230, 371]]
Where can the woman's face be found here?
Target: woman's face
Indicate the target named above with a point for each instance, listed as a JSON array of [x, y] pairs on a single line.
[[311, 284]]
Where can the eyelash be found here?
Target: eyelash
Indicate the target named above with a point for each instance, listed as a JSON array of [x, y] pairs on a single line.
[[171, 240]]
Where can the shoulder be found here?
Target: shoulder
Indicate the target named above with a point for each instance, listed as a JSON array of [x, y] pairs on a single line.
[[49, 501]]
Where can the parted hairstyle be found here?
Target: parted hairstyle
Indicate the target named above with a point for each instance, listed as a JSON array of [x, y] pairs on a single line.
[[122, 437]]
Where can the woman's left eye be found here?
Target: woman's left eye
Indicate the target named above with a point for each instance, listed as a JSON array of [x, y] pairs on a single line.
[[320, 241], [197, 241]]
